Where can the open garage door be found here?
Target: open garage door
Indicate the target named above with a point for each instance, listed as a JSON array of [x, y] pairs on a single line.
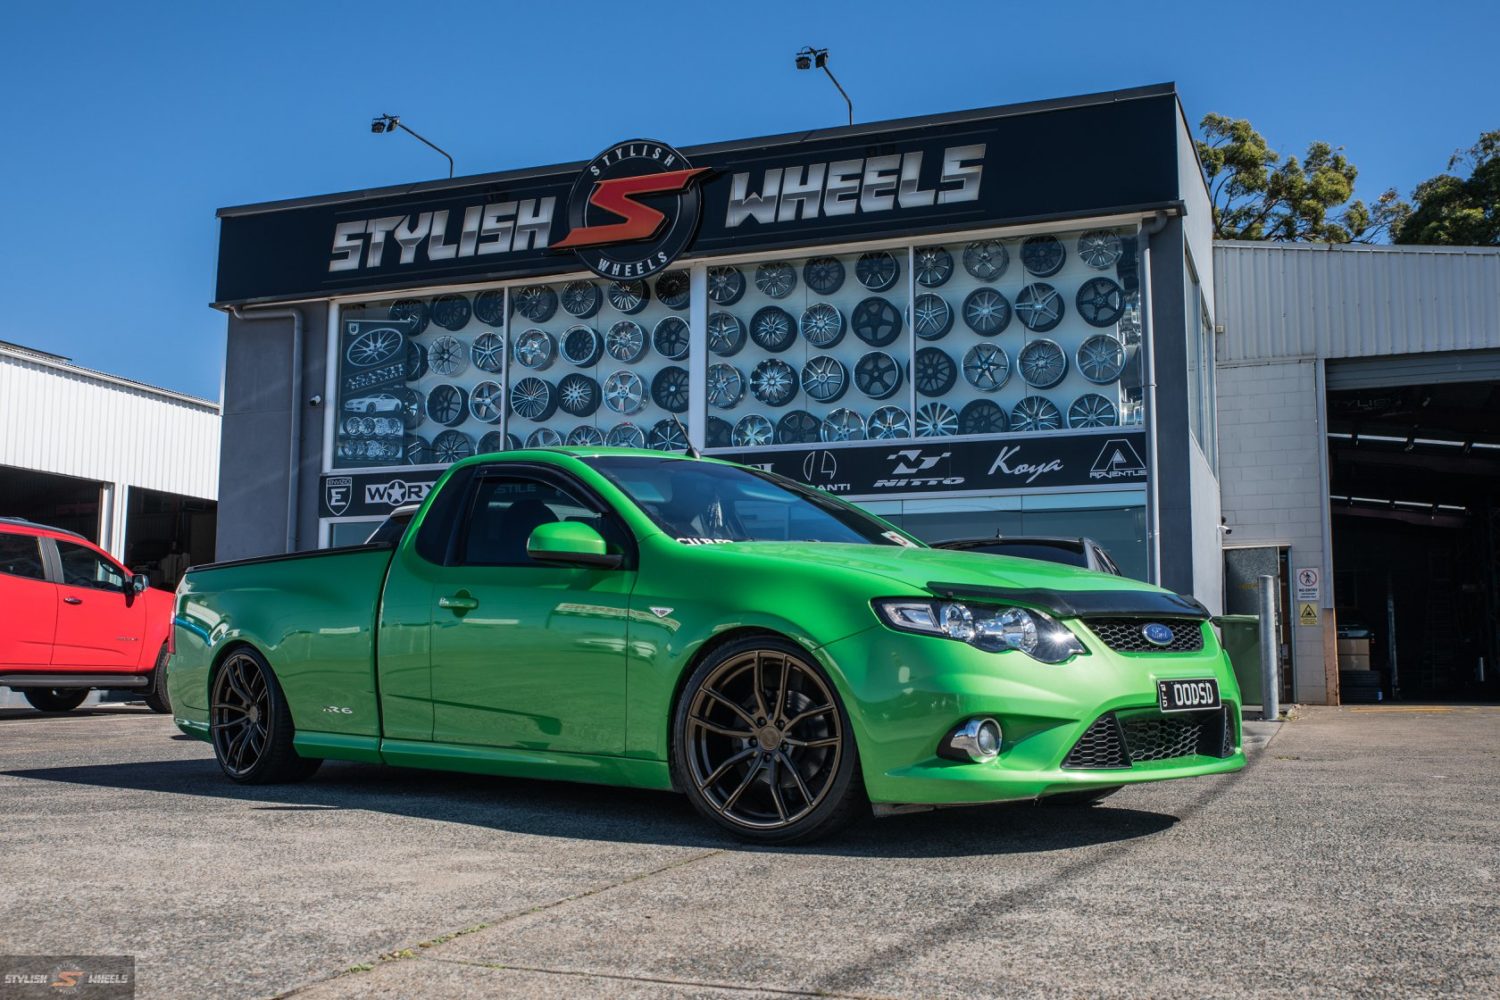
[[1414, 478]]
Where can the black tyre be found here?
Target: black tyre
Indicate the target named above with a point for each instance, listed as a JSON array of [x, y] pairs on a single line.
[[1080, 798], [156, 694], [762, 745], [250, 725], [876, 322], [55, 699]]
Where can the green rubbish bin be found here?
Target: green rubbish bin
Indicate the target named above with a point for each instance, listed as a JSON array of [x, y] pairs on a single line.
[[1241, 637]]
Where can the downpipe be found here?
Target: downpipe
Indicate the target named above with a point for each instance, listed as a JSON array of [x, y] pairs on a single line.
[[1148, 401], [294, 463]]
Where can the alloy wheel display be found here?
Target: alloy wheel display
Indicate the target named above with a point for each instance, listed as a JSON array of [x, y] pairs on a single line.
[[888, 422], [776, 280], [824, 275], [1101, 359], [1039, 307], [772, 329], [625, 435], [448, 404], [718, 433], [1043, 256], [773, 382], [535, 349], [488, 352], [489, 307], [375, 347], [726, 334], [822, 325], [933, 266], [582, 346], [843, 424], [931, 317], [673, 289], [667, 435], [725, 386], [544, 437], [532, 398], [877, 375], [628, 297], [416, 361], [877, 270], [986, 367], [798, 427], [418, 450], [447, 356], [670, 338], [1100, 302], [624, 392], [1092, 410], [933, 372], [1042, 363], [578, 395], [1099, 248], [414, 311], [876, 322], [982, 416], [726, 285], [487, 402], [581, 299], [986, 312], [986, 259], [451, 312], [494, 441], [1035, 413], [413, 407], [752, 431], [669, 389], [535, 302], [584, 436], [824, 378], [625, 341], [936, 420], [452, 446]]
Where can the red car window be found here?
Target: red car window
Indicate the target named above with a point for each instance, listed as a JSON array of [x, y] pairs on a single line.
[[21, 555], [83, 567]]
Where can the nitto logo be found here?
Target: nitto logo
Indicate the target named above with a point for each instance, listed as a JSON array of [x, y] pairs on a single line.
[[1030, 470], [395, 493], [909, 466], [1118, 460]]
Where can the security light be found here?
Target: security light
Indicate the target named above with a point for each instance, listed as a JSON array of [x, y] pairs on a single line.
[[389, 123], [810, 57]]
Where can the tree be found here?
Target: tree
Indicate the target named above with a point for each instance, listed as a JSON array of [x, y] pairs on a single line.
[[1257, 197], [1459, 211]]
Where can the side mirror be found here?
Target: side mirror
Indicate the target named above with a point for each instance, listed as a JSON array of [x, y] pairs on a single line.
[[138, 583], [571, 544]]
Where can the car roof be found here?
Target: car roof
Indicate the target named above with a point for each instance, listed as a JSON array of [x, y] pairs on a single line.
[[23, 526], [1077, 542], [532, 454]]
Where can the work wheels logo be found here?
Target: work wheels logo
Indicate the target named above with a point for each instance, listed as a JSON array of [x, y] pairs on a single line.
[[634, 209]]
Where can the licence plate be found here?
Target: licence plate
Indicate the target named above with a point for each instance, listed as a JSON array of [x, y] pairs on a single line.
[[1187, 696]]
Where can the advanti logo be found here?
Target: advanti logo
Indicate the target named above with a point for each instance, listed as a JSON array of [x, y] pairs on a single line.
[[634, 209], [1118, 459]]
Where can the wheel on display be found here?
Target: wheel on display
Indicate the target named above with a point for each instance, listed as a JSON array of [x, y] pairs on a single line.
[[536, 349], [933, 372], [776, 280], [887, 423], [982, 416], [798, 427], [447, 356], [824, 378], [417, 450], [513, 441], [877, 375], [375, 347], [936, 420], [669, 389], [726, 285], [986, 312], [824, 275], [625, 342], [414, 311], [1101, 359], [413, 407], [667, 435], [1042, 363], [931, 317], [367, 425], [628, 297], [843, 424], [489, 307], [581, 299], [1100, 302], [448, 404], [1040, 307], [1092, 410], [451, 312], [1099, 248], [488, 352], [877, 270], [534, 302], [577, 394], [625, 435], [724, 387], [624, 392], [876, 322], [933, 266], [581, 346], [544, 437], [584, 436], [452, 446], [533, 398], [416, 362], [670, 338], [718, 433], [492, 442], [673, 289], [986, 367], [986, 259], [386, 426], [822, 325], [250, 724], [487, 402], [1043, 256], [772, 329], [752, 431], [726, 334], [1034, 413], [773, 382]]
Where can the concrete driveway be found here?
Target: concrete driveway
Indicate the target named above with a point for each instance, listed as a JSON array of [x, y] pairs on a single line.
[[1358, 854]]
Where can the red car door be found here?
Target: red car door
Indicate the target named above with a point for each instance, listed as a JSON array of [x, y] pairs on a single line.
[[29, 601], [101, 624]]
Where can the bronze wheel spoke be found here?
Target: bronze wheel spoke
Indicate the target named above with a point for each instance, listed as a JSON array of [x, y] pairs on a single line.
[[749, 778], [719, 771], [827, 742], [732, 706], [802, 789], [773, 780], [786, 666], [759, 681], [810, 713], [713, 727]]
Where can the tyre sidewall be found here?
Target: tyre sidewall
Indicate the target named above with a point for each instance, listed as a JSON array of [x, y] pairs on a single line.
[[55, 700], [157, 698], [278, 761]]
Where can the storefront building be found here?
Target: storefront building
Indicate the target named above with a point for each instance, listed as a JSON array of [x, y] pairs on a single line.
[[980, 322]]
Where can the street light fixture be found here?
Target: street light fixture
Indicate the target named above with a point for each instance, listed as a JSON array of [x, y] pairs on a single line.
[[810, 57], [389, 123]]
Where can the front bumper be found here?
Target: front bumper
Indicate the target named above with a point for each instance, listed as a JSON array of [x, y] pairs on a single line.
[[905, 692]]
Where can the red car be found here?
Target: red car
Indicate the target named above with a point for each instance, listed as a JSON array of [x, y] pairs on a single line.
[[75, 620]]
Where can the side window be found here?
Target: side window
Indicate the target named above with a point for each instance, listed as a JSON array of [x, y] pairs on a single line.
[[507, 509], [21, 555], [83, 567]]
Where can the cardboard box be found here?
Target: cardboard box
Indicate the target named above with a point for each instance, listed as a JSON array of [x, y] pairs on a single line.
[[1355, 646], [1354, 661]]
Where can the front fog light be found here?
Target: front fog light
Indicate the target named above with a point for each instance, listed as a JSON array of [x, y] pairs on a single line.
[[977, 740]]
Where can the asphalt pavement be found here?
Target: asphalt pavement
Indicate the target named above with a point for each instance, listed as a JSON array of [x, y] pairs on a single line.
[[1359, 854]]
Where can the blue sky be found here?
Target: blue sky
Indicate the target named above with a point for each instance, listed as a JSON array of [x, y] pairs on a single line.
[[126, 126]]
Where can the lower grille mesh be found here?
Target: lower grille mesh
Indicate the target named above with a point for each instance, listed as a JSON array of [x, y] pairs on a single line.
[[1115, 743], [1164, 738], [1101, 745]]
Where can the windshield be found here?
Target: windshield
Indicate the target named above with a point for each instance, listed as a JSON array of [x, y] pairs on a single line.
[[698, 502]]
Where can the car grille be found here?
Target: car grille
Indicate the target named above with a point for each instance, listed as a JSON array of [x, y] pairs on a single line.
[[1115, 743], [1123, 635]]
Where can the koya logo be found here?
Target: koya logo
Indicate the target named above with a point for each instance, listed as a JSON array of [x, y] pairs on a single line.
[[909, 466], [394, 493], [337, 492], [1004, 464], [617, 234], [1118, 459]]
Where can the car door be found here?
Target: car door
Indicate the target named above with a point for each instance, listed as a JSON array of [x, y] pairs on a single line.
[[100, 621], [525, 654], [30, 603]]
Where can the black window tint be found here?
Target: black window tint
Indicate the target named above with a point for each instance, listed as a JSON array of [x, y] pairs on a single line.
[[83, 567], [21, 555], [507, 509], [1068, 556], [438, 524], [390, 530]]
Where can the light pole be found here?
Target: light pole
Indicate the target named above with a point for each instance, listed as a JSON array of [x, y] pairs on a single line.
[[389, 123], [810, 57]]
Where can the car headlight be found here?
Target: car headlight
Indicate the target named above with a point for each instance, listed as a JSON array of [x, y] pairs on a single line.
[[994, 629]]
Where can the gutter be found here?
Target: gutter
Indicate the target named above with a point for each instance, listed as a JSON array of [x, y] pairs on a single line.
[[294, 463]]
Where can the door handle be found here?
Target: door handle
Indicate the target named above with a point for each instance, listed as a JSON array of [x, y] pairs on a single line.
[[458, 602], [72, 600]]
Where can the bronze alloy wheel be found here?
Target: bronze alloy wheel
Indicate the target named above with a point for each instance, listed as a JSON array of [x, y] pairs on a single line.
[[764, 743]]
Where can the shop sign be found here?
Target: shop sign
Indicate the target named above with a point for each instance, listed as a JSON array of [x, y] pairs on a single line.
[[368, 494]]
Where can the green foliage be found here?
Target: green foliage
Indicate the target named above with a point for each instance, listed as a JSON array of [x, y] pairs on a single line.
[[1458, 211]]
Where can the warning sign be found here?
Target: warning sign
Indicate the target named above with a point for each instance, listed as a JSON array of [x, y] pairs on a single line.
[[1307, 614], [1308, 580]]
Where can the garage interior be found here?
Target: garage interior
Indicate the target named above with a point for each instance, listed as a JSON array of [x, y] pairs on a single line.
[[1414, 483], [60, 501]]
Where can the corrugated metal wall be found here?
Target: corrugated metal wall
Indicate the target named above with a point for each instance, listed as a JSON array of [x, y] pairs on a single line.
[[1288, 300], [57, 418]]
